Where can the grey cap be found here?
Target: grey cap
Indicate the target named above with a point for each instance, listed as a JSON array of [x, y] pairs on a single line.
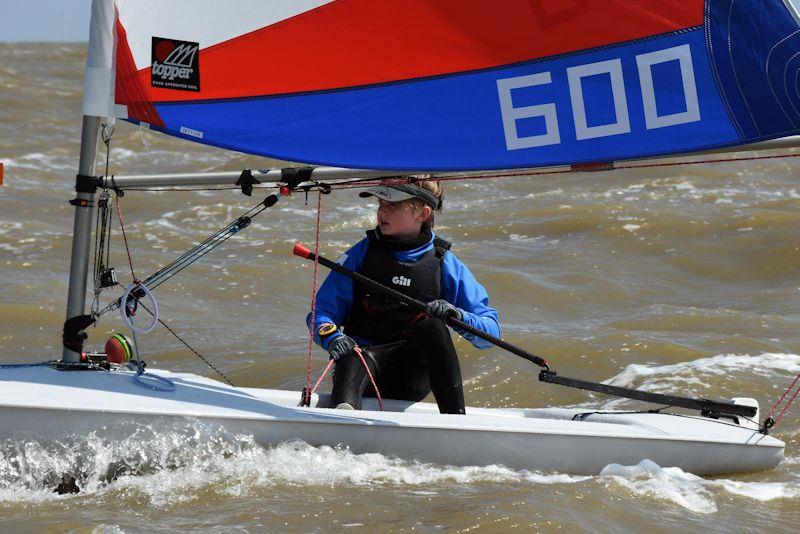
[[401, 191]]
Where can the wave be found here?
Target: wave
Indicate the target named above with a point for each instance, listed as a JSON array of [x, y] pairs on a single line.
[[691, 492], [170, 465], [166, 466]]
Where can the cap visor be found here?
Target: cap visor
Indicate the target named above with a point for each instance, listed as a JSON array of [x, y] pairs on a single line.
[[383, 192]]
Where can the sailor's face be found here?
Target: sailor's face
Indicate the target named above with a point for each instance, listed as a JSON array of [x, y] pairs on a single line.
[[398, 219]]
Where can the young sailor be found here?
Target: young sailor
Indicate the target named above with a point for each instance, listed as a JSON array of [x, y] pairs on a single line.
[[409, 353]]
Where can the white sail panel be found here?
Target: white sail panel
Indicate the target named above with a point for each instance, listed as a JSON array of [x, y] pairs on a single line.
[[208, 22]]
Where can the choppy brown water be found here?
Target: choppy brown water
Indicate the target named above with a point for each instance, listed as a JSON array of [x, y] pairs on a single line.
[[681, 279]]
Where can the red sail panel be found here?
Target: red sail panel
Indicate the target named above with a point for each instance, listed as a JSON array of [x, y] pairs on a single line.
[[359, 42]]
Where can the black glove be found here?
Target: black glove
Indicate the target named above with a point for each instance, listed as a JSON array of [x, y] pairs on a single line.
[[441, 309], [340, 347]]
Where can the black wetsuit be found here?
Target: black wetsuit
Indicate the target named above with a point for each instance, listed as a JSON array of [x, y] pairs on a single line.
[[411, 354]]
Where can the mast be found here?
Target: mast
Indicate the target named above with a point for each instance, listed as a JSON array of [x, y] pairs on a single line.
[[97, 104]]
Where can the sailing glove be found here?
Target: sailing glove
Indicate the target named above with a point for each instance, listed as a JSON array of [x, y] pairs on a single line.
[[341, 347], [441, 309]]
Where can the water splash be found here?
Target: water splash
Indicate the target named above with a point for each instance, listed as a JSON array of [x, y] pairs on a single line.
[[171, 465], [647, 479], [182, 463]]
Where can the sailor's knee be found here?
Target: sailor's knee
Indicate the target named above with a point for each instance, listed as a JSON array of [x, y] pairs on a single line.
[[430, 327]]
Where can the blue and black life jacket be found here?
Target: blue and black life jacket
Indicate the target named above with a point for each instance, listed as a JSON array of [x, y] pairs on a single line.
[[379, 318]]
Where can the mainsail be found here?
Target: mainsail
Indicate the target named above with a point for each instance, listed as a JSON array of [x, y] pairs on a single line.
[[460, 84]]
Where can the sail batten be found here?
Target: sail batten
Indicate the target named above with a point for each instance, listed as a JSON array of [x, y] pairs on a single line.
[[461, 85]]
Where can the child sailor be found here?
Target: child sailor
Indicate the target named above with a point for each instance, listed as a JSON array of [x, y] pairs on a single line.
[[409, 353]]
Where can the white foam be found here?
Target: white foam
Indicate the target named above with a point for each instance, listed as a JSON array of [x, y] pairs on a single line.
[[168, 466], [696, 494], [648, 479], [10, 248], [183, 463], [41, 162], [690, 491], [760, 491], [685, 186], [521, 238], [7, 226], [720, 365]]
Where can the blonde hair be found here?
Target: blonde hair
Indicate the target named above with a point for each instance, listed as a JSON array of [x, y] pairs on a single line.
[[426, 182]]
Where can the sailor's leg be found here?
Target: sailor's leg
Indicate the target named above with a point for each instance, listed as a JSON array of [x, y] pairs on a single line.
[[430, 340], [400, 373], [349, 381]]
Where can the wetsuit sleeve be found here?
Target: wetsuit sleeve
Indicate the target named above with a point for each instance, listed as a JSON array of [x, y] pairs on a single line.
[[335, 296], [460, 288]]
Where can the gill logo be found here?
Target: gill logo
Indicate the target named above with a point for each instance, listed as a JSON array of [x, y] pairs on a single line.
[[401, 281]]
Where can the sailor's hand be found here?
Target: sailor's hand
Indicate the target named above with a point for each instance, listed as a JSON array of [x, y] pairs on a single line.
[[340, 347], [441, 309]]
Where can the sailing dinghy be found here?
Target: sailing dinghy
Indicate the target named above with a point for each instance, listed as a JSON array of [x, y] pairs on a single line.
[[370, 88]]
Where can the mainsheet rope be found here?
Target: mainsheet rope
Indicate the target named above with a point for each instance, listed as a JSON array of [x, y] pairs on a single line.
[[308, 390], [360, 355]]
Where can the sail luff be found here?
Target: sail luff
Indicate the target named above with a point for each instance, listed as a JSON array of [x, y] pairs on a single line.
[[97, 105]]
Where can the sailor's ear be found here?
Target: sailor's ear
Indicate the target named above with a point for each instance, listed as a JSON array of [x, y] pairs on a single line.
[[424, 214]]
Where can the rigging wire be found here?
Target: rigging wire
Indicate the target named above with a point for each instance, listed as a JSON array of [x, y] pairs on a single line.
[[185, 344], [125, 239], [196, 252], [102, 244], [181, 263]]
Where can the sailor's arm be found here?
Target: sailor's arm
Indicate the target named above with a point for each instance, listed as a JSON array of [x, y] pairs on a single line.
[[335, 297], [460, 288]]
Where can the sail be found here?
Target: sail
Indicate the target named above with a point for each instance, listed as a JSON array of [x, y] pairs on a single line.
[[460, 84]]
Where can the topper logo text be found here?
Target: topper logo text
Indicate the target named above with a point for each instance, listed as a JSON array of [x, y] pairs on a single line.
[[621, 124]]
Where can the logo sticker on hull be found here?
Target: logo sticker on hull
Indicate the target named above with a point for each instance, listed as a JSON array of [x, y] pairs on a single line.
[[175, 64]]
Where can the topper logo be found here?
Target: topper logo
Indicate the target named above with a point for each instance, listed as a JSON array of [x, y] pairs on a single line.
[[401, 281], [175, 64]]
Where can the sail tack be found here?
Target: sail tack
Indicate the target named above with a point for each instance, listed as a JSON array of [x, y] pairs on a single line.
[[460, 84]]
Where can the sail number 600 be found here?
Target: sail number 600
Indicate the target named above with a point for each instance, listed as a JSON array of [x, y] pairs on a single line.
[[621, 124]]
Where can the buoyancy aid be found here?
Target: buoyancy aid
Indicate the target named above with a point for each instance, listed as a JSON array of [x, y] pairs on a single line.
[[381, 319]]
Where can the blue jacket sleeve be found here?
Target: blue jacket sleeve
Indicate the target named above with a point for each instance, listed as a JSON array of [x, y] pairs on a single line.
[[460, 288], [335, 296]]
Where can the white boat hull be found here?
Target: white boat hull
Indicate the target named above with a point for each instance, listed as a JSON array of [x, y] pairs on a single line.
[[46, 403]]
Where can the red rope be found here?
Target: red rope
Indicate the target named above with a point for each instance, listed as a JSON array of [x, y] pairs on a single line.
[[314, 296], [357, 350], [788, 403], [319, 380], [125, 238]]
